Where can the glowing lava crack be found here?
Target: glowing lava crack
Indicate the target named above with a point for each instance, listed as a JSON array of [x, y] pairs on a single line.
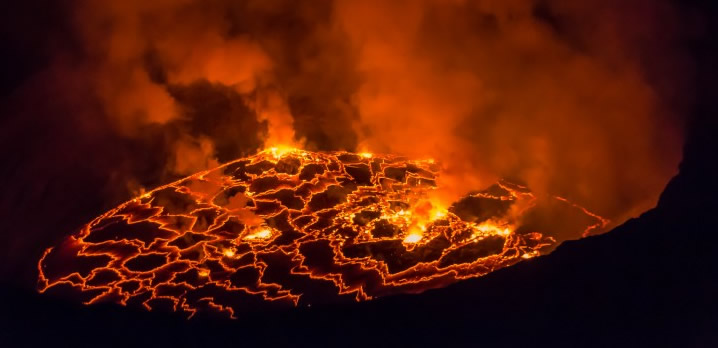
[[293, 227]]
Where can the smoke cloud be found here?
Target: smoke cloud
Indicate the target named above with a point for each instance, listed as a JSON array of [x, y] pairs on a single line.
[[580, 99], [555, 94]]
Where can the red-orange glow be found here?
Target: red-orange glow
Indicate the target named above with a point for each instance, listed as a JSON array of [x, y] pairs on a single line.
[[293, 227]]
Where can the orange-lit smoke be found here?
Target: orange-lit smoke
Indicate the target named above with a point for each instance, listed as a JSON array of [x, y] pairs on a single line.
[[144, 47], [499, 88], [556, 94]]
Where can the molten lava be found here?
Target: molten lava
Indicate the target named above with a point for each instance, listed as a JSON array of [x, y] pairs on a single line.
[[292, 227]]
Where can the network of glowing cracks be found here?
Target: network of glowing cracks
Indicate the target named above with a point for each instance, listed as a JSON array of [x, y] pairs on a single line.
[[288, 227]]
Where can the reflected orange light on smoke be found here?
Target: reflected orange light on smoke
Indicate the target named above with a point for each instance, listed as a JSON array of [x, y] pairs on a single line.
[[491, 90]]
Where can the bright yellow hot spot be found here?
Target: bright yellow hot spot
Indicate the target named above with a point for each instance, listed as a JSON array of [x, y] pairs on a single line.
[[229, 253], [260, 234], [203, 273], [491, 228], [415, 233], [280, 150], [413, 237], [366, 154]]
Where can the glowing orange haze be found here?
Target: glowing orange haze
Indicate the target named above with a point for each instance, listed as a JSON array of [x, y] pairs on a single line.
[[487, 88]]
